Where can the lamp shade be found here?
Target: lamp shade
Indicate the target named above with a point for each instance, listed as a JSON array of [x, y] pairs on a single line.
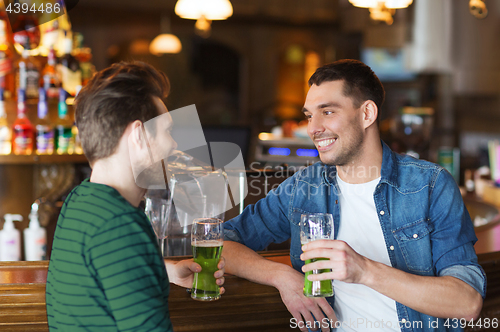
[[390, 4], [165, 43], [210, 9]]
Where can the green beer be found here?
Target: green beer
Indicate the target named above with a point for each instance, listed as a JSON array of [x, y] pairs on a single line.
[[322, 288], [317, 226], [207, 254]]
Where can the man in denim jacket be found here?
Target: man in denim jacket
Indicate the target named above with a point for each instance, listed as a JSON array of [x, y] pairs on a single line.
[[418, 266]]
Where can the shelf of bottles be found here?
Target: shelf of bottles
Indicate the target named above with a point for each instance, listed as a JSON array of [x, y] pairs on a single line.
[[42, 69]]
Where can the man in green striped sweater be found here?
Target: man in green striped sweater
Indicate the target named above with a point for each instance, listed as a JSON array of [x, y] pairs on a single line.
[[105, 271]]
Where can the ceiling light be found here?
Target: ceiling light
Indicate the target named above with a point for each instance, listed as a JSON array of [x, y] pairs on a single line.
[[478, 8], [210, 9], [382, 10], [204, 11], [165, 43], [390, 4]]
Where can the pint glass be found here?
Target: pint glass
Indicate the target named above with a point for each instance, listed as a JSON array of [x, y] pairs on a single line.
[[316, 226], [206, 241]]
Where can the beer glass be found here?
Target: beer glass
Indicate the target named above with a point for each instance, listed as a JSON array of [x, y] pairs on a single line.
[[316, 226], [206, 241]]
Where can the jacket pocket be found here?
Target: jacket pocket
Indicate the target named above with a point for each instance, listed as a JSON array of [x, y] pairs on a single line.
[[414, 240]]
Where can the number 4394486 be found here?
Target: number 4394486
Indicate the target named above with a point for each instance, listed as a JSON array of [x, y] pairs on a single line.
[[479, 323], [44, 7]]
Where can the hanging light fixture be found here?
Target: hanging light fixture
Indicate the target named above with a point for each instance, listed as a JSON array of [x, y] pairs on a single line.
[[204, 12], [478, 8], [383, 14], [382, 10], [165, 42], [390, 4]]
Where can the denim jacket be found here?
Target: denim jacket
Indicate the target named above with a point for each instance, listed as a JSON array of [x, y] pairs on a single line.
[[426, 227]]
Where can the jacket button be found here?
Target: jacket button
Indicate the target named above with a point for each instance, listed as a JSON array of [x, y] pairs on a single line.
[[415, 236], [403, 320], [382, 213], [391, 247]]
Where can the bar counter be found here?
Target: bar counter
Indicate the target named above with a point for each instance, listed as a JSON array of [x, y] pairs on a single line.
[[245, 307]]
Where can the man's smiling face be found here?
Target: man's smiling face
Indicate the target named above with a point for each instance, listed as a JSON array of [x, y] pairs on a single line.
[[334, 123]]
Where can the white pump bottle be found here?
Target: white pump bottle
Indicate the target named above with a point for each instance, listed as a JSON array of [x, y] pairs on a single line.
[[35, 237], [10, 239]]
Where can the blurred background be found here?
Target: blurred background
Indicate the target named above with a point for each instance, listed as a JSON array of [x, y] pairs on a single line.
[[251, 69], [245, 65]]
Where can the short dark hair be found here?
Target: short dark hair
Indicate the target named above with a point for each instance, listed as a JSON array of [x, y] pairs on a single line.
[[360, 82], [114, 98]]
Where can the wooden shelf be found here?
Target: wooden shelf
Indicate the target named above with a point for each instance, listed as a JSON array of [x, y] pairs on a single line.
[[45, 159]]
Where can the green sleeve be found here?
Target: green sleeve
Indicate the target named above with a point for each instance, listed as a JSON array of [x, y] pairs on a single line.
[[128, 267]]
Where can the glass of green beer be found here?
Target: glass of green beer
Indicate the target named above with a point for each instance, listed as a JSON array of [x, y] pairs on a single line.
[[206, 240], [316, 226]]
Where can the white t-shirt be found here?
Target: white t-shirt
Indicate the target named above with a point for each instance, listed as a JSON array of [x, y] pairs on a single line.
[[358, 307]]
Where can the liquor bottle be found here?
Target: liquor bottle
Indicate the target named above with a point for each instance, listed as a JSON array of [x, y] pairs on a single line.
[[69, 69], [76, 135], [28, 75], [50, 81], [22, 140], [5, 131], [7, 77], [84, 56], [63, 137], [44, 129], [78, 141]]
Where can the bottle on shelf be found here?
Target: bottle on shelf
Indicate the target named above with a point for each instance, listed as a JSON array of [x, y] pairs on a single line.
[[84, 56], [44, 129], [22, 140], [35, 237], [10, 239], [69, 69], [5, 130], [49, 80], [76, 135], [78, 142], [28, 74], [6, 55], [63, 137]]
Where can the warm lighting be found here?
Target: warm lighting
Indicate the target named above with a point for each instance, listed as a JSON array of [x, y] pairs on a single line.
[[39, 51], [204, 11], [382, 10], [266, 136], [382, 14], [478, 8], [210, 9], [139, 47], [390, 4], [165, 43]]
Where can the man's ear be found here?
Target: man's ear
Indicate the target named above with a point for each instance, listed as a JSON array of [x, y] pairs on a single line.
[[136, 135], [370, 113]]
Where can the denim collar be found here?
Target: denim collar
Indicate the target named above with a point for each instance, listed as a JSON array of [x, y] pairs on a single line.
[[389, 172]]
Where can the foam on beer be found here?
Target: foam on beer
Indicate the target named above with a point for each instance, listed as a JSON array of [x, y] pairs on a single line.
[[205, 244]]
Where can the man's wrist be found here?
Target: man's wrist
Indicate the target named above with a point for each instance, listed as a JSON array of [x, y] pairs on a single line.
[[280, 275], [371, 272]]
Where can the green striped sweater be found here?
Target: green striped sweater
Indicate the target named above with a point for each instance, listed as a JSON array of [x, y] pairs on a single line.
[[105, 271]]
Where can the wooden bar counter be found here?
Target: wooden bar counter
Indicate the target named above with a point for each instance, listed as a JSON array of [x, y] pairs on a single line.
[[245, 307]]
